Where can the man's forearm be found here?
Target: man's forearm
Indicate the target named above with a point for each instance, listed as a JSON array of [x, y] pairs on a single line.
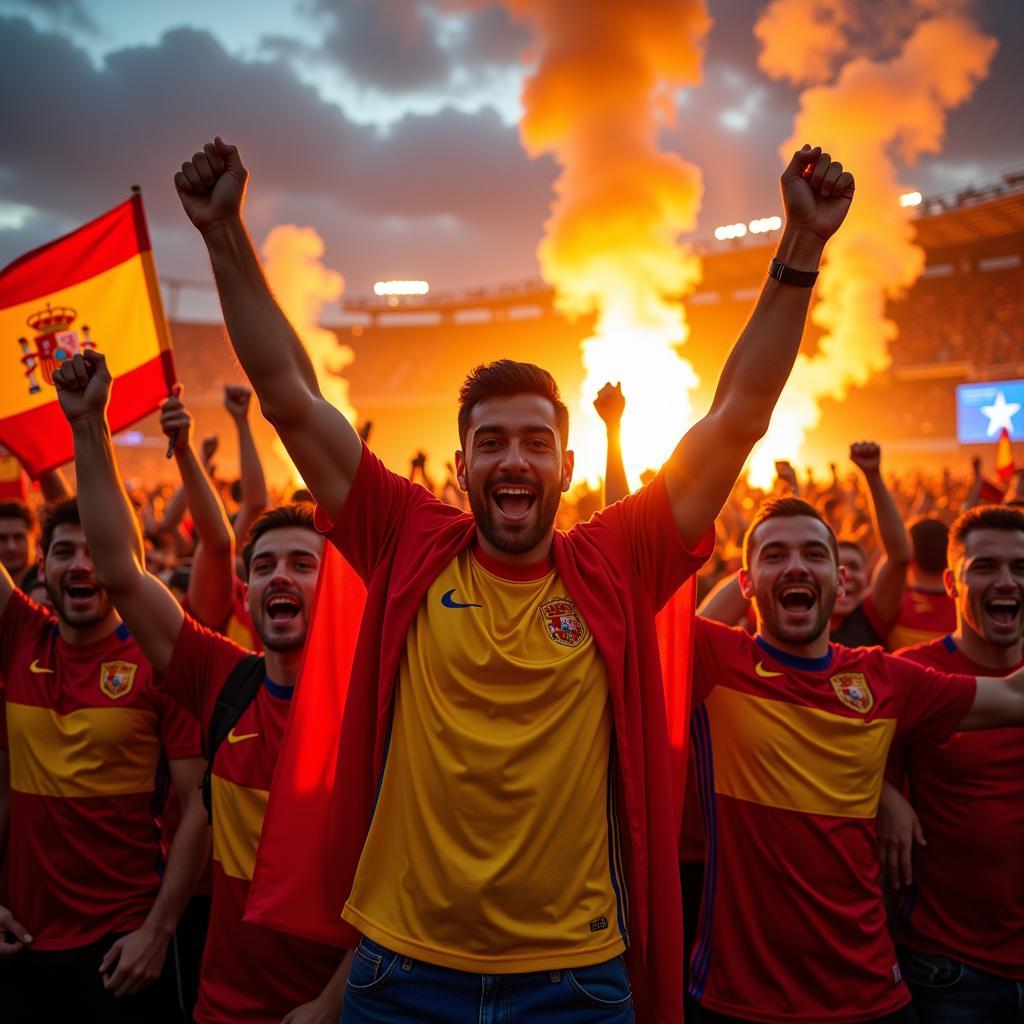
[[208, 515], [761, 360], [264, 341], [887, 521], [186, 859], [616, 485], [255, 497], [110, 525]]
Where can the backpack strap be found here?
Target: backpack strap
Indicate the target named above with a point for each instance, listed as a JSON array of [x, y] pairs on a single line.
[[237, 693]]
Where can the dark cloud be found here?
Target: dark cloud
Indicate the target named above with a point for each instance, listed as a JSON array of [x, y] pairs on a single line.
[[406, 46], [63, 13], [390, 46], [82, 134]]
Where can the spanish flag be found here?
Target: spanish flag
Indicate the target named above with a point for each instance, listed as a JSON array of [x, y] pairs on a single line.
[[94, 288]]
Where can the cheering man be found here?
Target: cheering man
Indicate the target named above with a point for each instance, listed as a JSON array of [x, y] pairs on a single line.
[[791, 734], [503, 831]]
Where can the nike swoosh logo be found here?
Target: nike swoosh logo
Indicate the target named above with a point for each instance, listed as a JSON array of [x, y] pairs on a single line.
[[232, 738], [37, 668], [446, 600], [763, 672]]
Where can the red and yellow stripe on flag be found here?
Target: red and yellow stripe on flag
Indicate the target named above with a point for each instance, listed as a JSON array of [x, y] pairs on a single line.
[[13, 483], [94, 288]]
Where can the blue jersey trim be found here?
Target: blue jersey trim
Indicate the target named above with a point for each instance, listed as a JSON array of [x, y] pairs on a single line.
[[947, 642], [793, 660], [277, 690], [701, 960]]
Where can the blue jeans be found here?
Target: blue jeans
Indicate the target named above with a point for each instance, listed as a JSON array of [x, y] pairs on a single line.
[[388, 988], [948, 992]]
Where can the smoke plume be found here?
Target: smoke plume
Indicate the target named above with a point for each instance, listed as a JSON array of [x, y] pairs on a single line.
[[598, 100], [302, 286], [875, 114]]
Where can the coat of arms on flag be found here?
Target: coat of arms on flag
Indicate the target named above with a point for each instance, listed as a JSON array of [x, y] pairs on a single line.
[[565, 626], [98, 282], [117, 678], [853, 690]]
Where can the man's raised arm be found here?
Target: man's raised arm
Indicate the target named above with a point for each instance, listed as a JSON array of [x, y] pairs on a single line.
[[148, 608], [700, 473], [324, 446]]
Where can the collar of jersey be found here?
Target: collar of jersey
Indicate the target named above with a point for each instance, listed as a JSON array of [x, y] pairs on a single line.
[[517, 572], [794, 660], [277, 690]]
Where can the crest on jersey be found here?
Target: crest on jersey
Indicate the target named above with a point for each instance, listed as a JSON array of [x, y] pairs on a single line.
[[565, 626], [117, 678], [853, 690]]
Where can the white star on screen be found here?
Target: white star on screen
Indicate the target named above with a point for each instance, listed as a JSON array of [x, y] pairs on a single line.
[[1000, 414]]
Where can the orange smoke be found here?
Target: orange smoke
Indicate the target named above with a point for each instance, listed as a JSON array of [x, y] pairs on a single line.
[[303, 286], [598, 100], [875, 113]]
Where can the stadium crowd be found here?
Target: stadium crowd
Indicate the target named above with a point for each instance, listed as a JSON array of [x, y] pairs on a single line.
[[502, 841]]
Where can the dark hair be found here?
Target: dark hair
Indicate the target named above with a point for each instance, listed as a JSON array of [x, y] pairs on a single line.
[[779, 508], [508, 377], [929, 536], [60, 513], [984, 517], [294, 513], [19, 510]]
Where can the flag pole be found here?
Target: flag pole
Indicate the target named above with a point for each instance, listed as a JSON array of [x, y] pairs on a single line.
[[172, 440]]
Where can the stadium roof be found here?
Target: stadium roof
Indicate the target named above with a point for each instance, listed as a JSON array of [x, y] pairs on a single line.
[[978, 215]]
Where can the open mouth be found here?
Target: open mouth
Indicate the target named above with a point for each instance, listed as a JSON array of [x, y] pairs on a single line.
[[1003, 610], [513, 502], [796, 598], [282, 608], [80, 592]]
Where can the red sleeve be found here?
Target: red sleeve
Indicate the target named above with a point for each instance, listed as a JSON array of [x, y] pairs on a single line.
[[713, 644], [200, 663], [20, 623], [875, 621], [932, 703], [374, 509], [180, 735], [647, 529]]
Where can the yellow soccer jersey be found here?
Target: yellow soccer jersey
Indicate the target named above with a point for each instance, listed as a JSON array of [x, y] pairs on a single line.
[[493, 845]]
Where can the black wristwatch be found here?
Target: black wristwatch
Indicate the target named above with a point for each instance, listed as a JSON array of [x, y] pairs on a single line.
[[788, 275]]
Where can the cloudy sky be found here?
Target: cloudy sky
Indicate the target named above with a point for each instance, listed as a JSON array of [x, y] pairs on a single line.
[[389, 125]]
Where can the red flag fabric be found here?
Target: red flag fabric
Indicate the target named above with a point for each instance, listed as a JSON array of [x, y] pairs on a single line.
[[13, 483], [95, 288], [991, 493], [303, 784], [1004, 457], [675, 644]]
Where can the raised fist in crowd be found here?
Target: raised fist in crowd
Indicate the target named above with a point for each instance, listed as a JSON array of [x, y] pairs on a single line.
[[866, 456], [236, 400], [211, 186], [176, 420], [83, 385]]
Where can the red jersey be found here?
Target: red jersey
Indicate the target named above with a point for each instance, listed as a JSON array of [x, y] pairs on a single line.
[[790, 756], [967, 901], [89, 737], [924, 615], [249, 972]]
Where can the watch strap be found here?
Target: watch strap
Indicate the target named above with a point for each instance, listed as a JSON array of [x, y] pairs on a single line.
[[789, 275]]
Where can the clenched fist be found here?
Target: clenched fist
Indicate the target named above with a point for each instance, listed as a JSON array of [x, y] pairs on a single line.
[[83, 385], [211, 186], [816, 192], [866, 456]]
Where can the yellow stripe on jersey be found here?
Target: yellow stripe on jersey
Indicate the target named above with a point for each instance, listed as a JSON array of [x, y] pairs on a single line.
[[69, 755], [489, 847], [797, 758], [905, 636], [237, 821]]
